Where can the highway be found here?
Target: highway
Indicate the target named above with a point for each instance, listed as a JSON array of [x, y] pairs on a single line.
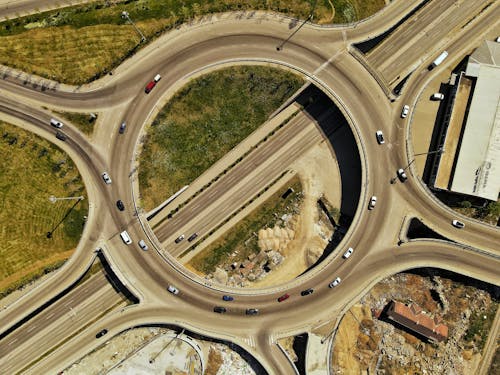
[[322, 56]]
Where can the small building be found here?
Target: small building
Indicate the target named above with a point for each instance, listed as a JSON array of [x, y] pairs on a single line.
[[415, 319]]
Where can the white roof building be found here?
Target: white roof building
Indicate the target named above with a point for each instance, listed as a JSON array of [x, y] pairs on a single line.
[[477, 169]]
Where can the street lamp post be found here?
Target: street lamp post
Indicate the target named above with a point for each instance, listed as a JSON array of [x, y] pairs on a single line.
[[126, 15], [439, 150], [280, 46], [53, 199]]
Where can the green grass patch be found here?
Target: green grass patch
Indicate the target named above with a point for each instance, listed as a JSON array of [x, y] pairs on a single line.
[[242, 238], [479, 326], [204, 121], [31, 170], [78, 44], [83, 121]]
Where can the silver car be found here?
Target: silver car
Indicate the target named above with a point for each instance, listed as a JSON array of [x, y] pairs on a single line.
[[106, 178], [143, 245], [335, 282]]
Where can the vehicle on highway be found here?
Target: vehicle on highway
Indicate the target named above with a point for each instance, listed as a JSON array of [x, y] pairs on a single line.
[[438, 60], [402, 175], [60, 136], [283, 297], [143, 245], [220, 309], [101, 333], [307, 292], [227, 298], [106, 178], [152, 84], [251, 311], [120, 205], [58, 124], [180, 238], [125, 237], [458, 224], [348, 253], [437, 96], [335, 282], [122, 127], [405, 111], [172, 289], [373, 202], [192, 237], [380, 137]]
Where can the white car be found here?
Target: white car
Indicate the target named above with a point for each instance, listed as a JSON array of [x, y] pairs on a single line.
[[437, 96], [458, 224], [56, 123], [335, 282], [143, 245], [172, 289], [402, 175], [380, 137], [405, 111], [373, 202], [348, 253], [106, 178]]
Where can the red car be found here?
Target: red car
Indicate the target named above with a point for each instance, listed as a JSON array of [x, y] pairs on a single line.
[[283, 297], [152, 84]]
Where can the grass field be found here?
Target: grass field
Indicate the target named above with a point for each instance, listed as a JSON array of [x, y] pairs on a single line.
[[204, 121], [79, 44], [32, 170], [82, 121], [241, 237]]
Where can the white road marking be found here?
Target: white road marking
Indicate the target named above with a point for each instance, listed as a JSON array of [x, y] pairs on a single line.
[[49, 316]]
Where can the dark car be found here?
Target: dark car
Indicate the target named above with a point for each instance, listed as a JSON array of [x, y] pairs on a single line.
[[220, 309], [283, 297], [227, 298], [101, 333], [307, 292], [60, 136], [192, 237], [120, 205], [179, 239], [122, 127], [252, 311]]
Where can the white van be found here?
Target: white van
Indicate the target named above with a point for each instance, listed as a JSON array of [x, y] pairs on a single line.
[[57, 124], [125, 237]]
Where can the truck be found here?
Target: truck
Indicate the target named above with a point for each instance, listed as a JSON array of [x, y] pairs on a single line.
[[438, 60], [152, 84]]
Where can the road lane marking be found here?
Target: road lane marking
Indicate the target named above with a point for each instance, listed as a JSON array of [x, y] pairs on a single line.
[[49, 316], [12, 342], [31, 328]]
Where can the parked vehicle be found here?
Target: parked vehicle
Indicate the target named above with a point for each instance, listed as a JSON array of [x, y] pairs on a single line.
[[335, 282], [458, 224], [348, 253], [380, 137], [172, 289]]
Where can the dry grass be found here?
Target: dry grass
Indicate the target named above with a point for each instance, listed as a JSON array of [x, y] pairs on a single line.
[[31, 170]]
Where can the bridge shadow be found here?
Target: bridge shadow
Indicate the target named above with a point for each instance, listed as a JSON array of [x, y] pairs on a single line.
[[337, 132]]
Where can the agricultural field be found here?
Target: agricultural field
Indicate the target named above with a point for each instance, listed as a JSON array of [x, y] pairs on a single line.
[[31, 171], [204, 121], [79, 44]]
